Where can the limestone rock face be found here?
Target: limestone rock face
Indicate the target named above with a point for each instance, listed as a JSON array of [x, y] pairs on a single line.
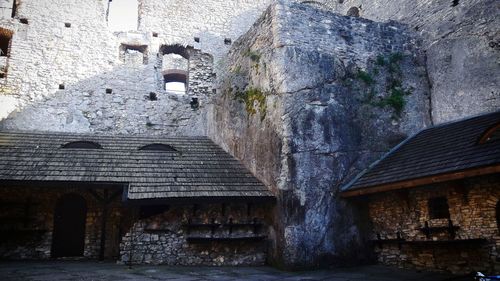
[[462, 41], [305, 104]]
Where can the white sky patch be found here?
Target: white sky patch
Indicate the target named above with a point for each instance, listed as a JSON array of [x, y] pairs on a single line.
[[176, 87], [123, 15]]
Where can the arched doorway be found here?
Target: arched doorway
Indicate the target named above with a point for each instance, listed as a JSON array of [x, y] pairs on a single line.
[[68, 239]]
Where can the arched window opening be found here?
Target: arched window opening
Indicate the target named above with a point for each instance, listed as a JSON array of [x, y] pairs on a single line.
[[491, 135], [158, 147], [175, 68], [82, 145], [175, 81], [123, 15]]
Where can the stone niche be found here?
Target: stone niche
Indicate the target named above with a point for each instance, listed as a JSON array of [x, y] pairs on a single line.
[[200, 234]]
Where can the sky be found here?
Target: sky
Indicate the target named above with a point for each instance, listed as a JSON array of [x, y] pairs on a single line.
[[123, 15]]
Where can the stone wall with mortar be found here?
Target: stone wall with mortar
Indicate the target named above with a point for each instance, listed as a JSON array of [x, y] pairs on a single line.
[[305, 105], [163, 238], [28, 223], [211, 22], [472, 207], [67, 45]]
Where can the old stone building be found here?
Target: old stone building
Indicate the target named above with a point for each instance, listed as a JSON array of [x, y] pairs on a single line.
[[304, 94], [178, 201], [434, 200]]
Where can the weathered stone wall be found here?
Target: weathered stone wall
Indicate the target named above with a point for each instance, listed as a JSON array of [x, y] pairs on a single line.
[[462, 42], [163, 238], [86, 59], [305, 105], [27, 223], [472, 207], [210, 21]]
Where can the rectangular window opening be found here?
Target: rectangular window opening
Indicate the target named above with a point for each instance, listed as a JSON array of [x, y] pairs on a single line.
[[438, 208]]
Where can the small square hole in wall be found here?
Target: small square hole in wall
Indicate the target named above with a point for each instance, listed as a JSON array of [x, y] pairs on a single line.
[[67, 24], [3, 75], [228, 41], [214, 91], [195, 104], [155, 34], [109, 91], [455, 3], [23, 21], [197, 39], [61, 87], [153, 96]]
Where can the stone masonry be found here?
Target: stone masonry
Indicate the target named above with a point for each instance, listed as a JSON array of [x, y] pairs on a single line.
[[163, 238], [27, 217], [472, 207]]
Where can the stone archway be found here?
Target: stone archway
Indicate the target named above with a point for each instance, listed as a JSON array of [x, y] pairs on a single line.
[[68, 239]]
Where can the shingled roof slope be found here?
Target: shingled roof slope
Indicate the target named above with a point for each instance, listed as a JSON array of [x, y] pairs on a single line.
[[199, 168], [442, 149]]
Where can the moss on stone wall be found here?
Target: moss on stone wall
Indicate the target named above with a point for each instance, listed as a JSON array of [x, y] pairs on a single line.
[[255, 100], [395, 93]]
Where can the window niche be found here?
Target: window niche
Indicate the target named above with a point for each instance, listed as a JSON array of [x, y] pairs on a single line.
[[438, 208], [175, 68], [5, 46], [134, 54]]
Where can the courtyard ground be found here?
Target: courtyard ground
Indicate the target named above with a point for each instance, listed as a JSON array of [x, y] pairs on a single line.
[[87, 271]]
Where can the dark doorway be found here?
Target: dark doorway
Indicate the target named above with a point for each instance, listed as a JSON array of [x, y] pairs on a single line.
[[498, 216], [68, 239]]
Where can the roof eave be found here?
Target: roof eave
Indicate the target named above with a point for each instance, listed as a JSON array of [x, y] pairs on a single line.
[[411, 183]]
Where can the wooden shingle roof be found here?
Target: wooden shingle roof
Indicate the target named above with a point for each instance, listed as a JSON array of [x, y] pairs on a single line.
[[198, 167], [445, 152]]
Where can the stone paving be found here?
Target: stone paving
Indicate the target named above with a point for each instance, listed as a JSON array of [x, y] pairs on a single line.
[[93, 271]]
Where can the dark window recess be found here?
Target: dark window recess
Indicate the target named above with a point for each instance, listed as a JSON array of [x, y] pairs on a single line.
[[214, 91], [61, 87], [152, 96], [5, 38], [228, 41], [14, 8], [158, 147], [438, 208], [455, 3], [82, 145], [155, 34], [498, 215], [149, 211], [109, 91], [23, 21], [67, 24], [3, 74], [353, 12], [197, 39], [195, 104]]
